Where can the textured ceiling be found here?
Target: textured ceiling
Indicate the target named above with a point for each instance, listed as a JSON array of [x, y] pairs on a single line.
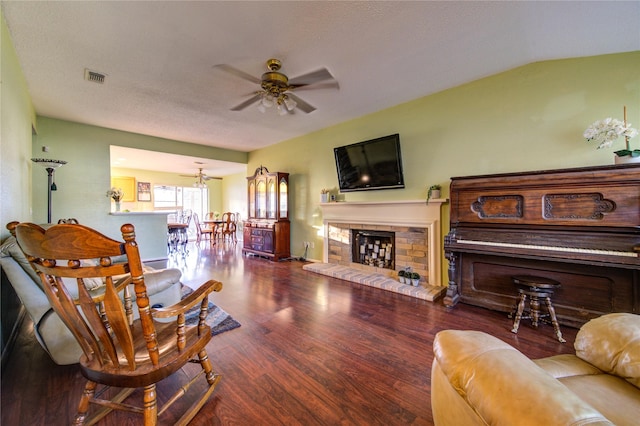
[[159, 57]]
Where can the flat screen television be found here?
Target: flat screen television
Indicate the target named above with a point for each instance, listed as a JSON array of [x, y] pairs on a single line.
[[372, 164]]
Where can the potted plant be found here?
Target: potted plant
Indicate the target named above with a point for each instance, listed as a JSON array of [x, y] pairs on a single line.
[[401, 276], [433, 192], [415, 279], [607, 131], [324, 195]]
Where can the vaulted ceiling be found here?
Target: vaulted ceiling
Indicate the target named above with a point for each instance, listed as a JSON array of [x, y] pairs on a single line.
[[159, 57]]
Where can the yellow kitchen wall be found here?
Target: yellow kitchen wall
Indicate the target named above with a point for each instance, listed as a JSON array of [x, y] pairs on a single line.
[[528, 118], [228, 194], [17, 118]]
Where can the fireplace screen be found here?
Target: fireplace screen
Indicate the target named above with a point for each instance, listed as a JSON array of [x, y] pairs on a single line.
[[373, 248]]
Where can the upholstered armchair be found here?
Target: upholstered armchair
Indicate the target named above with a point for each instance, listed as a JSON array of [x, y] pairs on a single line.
[[478, 379]]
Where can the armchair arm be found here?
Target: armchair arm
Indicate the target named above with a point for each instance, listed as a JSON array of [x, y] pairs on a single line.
[[501, 385], [188, 302]]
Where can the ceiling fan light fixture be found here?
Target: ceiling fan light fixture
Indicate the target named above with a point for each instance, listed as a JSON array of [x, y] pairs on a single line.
[[282, 109], [267, 100], [274, 86], [289, 103]]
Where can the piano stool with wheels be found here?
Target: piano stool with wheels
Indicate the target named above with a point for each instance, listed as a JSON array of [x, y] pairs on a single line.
[[535, 288]]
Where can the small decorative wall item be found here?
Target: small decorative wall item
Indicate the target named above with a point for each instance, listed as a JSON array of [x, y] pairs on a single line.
[[606, 132], [433, 192], [324, 195], [144, 191]]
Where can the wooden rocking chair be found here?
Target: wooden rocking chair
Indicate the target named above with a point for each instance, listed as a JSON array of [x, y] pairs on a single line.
[[118, 351]]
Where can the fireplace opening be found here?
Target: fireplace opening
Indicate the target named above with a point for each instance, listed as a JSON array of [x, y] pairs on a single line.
[[373, 248]]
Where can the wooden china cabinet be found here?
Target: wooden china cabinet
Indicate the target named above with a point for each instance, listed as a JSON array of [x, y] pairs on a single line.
[[266, 230]]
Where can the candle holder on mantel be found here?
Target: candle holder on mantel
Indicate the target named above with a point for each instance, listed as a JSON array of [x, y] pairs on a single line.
[[50, 166]]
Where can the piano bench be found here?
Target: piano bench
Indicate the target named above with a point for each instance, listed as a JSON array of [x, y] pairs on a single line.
[[535, 288]]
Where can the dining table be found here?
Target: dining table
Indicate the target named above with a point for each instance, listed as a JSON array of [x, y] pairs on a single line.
[[215, 224], [177, 238]]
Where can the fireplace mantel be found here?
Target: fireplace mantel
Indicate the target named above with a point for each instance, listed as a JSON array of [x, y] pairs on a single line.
[[413, 213]]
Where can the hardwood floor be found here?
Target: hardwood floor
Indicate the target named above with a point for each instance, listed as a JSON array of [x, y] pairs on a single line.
[[311, 350]]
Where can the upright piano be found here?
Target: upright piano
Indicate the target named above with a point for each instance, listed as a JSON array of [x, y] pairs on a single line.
[[579, 226]]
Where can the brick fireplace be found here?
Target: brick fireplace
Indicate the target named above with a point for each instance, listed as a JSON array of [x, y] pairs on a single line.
[[415, 225]]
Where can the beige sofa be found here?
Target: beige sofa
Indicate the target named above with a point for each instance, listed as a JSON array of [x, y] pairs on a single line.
[[477, 379], [163, 286]]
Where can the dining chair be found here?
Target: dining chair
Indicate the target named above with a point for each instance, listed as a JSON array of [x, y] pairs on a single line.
[[119, 351], [202, 230], [228, 227]]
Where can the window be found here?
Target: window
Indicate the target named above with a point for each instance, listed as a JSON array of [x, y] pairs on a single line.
[[168, 197]]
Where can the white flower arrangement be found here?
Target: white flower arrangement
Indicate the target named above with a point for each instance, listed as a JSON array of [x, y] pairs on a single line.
[[606, 132], [116, 194]]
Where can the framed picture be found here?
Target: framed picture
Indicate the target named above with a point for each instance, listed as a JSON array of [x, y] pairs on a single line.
[[144, 191]]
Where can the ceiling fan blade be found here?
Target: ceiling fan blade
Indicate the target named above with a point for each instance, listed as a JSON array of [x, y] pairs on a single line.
[[304, 106], [205, 177], [246, 103], [327, 85], [191, 176], [238, 73], [311, 78]]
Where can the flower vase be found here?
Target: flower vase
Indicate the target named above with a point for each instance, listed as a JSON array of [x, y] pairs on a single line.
[[324, 198], [117, 206]]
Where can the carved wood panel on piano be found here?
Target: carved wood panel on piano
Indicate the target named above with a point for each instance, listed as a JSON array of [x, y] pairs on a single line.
[[580, 227]]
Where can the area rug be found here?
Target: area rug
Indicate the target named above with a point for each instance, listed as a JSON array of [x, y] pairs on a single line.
[[218, 319]]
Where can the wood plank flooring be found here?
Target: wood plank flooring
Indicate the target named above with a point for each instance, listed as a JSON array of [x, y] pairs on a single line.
[[312, 350]]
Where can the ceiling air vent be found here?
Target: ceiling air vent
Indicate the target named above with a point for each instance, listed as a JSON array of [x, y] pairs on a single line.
[[93, 76]]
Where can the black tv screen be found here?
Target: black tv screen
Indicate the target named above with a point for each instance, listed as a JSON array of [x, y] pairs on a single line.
[[373, 164]]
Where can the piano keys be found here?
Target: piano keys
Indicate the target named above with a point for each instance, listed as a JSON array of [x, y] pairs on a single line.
[[580, 227]]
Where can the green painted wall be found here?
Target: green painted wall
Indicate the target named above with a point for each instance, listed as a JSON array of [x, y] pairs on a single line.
[[83, 182], [17, 117], [528, 118]]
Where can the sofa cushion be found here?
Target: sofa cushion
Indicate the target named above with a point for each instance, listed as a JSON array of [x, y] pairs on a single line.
[[617, 399], [10, 248], [566, 365], [612, 343]]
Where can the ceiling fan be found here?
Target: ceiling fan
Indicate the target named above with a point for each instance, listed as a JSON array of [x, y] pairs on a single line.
[[276, 88], [201, 178]]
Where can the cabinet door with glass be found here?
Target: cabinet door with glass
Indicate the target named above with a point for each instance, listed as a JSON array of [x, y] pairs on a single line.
[[268, 195]]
